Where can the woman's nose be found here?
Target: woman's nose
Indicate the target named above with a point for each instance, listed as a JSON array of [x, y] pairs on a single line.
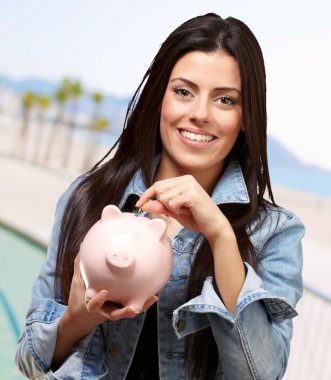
[[200, 111]]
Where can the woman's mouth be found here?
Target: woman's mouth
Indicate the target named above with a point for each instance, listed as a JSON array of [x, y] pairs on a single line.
[[196, 136]]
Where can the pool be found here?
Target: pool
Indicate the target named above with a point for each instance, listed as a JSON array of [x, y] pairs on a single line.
[[21, 259]]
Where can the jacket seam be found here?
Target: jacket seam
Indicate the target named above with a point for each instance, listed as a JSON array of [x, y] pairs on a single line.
[[246, 350], [38, 360]]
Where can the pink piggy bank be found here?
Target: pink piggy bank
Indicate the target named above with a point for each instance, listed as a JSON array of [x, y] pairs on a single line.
[[129, 255]]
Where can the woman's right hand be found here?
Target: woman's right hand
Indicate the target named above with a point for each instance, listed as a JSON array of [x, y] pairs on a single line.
[[82, 317], [98, 309]]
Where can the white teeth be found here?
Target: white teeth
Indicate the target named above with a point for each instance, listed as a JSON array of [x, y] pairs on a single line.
[[196, 137]]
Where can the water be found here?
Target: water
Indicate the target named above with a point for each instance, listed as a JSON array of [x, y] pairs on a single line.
[[20, 263]]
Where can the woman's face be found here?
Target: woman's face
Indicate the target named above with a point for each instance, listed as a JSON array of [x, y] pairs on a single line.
[[201, 114]]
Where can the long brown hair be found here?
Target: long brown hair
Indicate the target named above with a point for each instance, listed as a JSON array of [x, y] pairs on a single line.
[[140, 141]]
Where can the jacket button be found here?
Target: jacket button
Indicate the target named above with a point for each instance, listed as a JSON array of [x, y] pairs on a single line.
[[181, 325], [115, 352]]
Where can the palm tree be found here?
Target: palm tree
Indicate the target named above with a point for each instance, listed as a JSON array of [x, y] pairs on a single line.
[[96, 128], [28, 101], [93, 128], [61, 97], [75, 91], [97, 98], [43, 102]]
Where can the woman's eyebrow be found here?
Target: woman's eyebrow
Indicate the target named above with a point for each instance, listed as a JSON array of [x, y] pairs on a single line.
[[190, 83], [227, 89], [194, 85]]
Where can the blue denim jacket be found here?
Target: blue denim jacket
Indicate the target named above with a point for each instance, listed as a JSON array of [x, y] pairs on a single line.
[[253, 343]]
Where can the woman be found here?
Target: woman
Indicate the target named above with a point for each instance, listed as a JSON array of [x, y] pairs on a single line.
[[193, 152]]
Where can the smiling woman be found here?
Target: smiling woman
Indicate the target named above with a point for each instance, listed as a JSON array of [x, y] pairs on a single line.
[[193, 152], [201, 116]]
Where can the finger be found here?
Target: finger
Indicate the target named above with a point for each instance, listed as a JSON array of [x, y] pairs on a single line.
[[149, 303], [180, 204], [77, 271], [156, 207], [173, 190], [77, 262], [96, 303], [156, 189], [116, 314], [177, 205], [148, 194]]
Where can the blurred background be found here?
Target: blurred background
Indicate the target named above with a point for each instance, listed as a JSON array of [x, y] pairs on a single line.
[[67, 72]]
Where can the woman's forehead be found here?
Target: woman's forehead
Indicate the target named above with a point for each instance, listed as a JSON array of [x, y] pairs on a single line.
[[219, 69]]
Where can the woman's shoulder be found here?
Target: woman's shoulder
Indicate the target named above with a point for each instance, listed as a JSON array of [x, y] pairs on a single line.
[[65, 196], [276, 214], [272, 220]]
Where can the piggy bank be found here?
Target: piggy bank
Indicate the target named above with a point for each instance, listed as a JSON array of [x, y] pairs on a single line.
[[129, 255]]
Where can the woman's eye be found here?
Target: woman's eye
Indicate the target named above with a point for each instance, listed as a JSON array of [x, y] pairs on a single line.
[[182, 92], [226, 100]]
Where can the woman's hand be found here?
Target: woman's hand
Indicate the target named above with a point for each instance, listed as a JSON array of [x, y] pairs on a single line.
[[184, 199], [82, 316], [98, 309]]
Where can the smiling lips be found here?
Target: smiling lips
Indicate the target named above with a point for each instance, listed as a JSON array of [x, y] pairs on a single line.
[[196, 136]]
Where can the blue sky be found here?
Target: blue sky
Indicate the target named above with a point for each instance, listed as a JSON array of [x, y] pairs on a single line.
[[109, 45]]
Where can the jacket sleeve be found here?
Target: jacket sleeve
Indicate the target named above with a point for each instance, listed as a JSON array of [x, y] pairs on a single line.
[[38, 337], [254, 343]]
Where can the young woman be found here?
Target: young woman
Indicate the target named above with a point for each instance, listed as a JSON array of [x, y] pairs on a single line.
[[193, 151]]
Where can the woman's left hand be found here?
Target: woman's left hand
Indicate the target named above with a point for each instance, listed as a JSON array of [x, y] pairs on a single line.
[[184, 199]]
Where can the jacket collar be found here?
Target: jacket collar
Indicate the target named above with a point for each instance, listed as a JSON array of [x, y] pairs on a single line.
[[230, 188]]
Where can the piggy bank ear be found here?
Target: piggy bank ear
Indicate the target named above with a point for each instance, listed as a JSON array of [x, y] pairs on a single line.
[[111, 213], [159, 227]]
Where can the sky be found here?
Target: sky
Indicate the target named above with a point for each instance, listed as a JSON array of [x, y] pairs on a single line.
[[109, 45]]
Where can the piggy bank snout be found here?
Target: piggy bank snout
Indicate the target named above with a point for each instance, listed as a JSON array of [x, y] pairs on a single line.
[[119, 259]]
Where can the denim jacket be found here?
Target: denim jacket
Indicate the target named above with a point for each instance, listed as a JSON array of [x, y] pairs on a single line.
[[253, 343]]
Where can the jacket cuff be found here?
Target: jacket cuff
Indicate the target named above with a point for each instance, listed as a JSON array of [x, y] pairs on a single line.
[[87, 357], [41, 332], [192, 317]]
